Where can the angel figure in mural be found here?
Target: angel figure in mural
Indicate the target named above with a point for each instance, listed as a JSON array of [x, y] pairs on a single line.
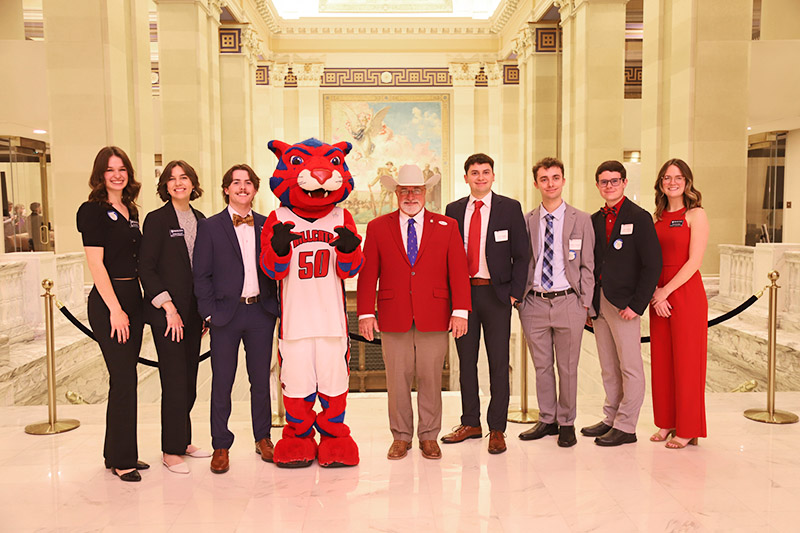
[[363, 127], [385, 194]]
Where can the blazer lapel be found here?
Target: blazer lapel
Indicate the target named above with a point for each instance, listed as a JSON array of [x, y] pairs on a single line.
[[172, 217], [427, 233], [394, 230], [461, 210], [569, 223], [227, 227], [533, 228], [623, 212]]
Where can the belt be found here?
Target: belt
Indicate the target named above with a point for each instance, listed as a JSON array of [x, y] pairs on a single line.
[[555, 294], [475, 282], [250, 299]]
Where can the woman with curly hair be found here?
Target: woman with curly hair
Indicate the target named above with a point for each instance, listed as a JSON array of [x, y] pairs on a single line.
[[679, 310], [109, 224]]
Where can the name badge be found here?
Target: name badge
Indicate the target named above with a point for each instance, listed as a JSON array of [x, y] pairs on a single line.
[[112, 215], [135, 224], [501, 235], [575, 244], [676, 224], [176, 232], [626, 229]]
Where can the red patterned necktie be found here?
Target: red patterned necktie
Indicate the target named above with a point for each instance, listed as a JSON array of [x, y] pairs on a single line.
[[474, 239], [238, 220]]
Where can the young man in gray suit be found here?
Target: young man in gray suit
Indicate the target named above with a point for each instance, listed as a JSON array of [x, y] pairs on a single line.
[[557, 302]]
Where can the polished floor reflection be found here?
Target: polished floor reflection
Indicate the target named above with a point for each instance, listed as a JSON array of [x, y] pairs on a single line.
[[745, 477]]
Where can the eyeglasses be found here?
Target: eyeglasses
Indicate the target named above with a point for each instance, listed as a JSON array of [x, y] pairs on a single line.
[[612, 182], [676, 179], [410, 191]]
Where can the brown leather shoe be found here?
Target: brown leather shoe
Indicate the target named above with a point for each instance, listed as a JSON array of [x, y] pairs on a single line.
[[265, 449], [497, 442], [398, 449], [462, 433], [430, 450], [220, 462]]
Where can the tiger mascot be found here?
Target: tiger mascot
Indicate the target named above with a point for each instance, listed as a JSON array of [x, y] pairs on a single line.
[[310, 246]]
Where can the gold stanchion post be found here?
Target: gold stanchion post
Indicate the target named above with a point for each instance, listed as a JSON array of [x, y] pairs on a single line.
[[53, 425], [523, 415], [772, 415]]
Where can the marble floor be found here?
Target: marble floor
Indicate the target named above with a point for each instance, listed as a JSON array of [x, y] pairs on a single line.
[[745, 477]]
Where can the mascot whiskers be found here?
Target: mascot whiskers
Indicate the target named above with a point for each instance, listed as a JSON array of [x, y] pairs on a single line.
[[310, 246]]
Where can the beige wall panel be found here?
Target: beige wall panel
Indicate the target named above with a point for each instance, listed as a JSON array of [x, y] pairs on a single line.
[[483, 117], [24, 104], [791, 192], [779, 19]]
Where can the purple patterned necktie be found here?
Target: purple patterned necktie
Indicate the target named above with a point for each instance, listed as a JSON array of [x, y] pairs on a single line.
[[547, 265], [411, 242]]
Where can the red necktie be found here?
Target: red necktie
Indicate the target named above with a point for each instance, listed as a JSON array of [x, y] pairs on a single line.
[[474, 241]]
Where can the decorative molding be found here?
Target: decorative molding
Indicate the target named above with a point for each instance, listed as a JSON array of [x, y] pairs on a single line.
[[262, 75], [523, 44], [464, 74], [381, 28], [494, 74], [214, 8], [481, 80], [251, 45], [498, 22], [395, 6], [398, 77], [308, 74], [268, 15], [277, 74], [510, 75], [230, 40], [547, 40]]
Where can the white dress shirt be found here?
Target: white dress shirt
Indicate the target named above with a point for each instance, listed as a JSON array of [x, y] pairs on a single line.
[[247, 244], [560, 282]]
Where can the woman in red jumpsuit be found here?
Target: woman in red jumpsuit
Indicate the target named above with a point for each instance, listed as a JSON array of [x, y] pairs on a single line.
[[679, 310]]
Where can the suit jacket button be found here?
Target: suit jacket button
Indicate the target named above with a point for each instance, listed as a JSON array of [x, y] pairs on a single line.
[[413, 273]]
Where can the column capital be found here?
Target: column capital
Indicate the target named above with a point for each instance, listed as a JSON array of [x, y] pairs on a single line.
[[213, 8], [277, 74], [494, 74], [463, 74], [308, 74], [251, 45], [568, 8], [523, 43]]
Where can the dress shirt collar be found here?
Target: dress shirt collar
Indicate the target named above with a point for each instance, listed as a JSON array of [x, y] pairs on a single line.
[[558, 214], [232, 211], [487, 200], [419, 218]]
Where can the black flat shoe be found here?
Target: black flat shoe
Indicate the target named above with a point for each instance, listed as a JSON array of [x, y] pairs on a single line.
[[597, 430], [539, 430], [140, 465], [132, 476], [566, 436], [615, 437]]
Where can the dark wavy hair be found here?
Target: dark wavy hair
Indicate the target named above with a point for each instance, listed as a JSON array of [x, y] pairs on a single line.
[[166, 174], [547, 162], [97, 179], [691, 196], [610, 166], [478, 159], [227, 179]]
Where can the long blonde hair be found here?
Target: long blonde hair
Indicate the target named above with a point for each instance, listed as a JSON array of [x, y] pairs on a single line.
[[691, 196]]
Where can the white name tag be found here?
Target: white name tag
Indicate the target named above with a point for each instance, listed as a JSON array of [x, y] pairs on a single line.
[[626, 229], [501, 235], [575, 244]]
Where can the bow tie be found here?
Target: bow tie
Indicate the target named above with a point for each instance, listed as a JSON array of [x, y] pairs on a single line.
[[608, 210], [239, 220]]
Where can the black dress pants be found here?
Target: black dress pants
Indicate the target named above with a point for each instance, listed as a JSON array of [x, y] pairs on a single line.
[[120, 449], [177, 368], [494, 317]]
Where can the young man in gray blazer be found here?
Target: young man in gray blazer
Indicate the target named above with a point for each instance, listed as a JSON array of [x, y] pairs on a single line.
[[557, 302]]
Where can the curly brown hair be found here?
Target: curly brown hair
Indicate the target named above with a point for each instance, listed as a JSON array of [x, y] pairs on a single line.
[[691, 196], [166, 174], [97, 180], [547, 162], [227, 179]]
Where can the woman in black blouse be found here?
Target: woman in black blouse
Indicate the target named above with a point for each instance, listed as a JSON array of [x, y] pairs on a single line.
[[171, 307], [109, 224]]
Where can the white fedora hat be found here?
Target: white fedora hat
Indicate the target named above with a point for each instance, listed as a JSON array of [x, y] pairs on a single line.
[[408, 176]]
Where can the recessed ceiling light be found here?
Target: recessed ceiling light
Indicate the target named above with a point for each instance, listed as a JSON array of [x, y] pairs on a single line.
[[40, 132]]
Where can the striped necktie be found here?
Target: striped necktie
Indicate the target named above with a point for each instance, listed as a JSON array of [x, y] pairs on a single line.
[[547, 264]]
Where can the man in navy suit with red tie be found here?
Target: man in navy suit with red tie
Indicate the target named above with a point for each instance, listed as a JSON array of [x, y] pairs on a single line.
[[240, 302], [496, 243]]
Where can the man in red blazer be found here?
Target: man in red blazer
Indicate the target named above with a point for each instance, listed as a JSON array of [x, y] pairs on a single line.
[[416, 260]]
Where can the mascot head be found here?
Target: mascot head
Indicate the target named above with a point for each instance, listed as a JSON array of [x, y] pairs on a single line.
[[311, 176]]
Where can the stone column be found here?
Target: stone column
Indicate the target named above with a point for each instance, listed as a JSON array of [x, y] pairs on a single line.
[[12, 23], [237, 67], [263, 129], [463, 75], [98, 69], [494, 77], [189, 45], [537, 47], [695, 104], [309, 77], [593, 92]]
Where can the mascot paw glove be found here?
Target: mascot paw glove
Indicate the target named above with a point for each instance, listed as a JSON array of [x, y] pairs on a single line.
[[346, 242], [282, 238]]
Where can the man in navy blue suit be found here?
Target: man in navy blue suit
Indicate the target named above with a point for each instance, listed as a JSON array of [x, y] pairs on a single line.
[[240, 303]]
